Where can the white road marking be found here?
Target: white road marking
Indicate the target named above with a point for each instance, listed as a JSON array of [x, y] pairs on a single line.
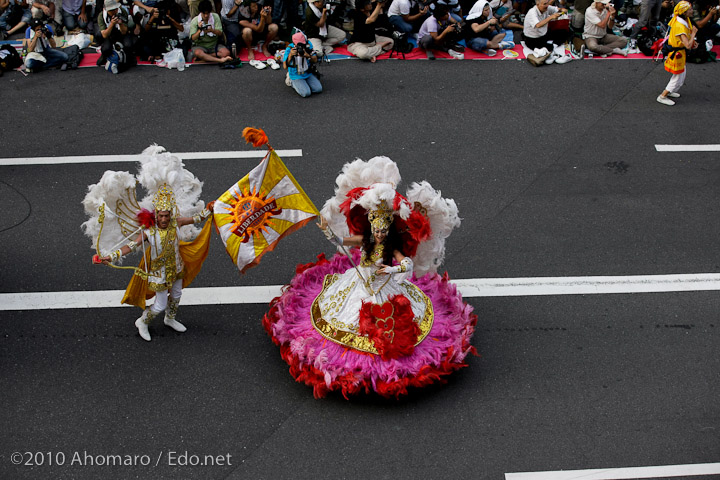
[[260, 153], [469, 288], [687, 148], [664, 471]]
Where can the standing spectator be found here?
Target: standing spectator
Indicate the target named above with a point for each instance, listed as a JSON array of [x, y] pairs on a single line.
[[599, 18], [402, 20], [286, 13], [438, 32], [115, 25], [229, 15], [15, 17], [298, 60], [681, 39], [483, 31], [74, 14], [649, 15], [205, 32], [535, 29], [322, 35], [365, 43], [257, 25], [41, 49]]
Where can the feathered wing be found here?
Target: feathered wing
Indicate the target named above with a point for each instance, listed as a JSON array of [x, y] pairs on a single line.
[[157, 166], [357, 174], [116, 191], [443, 216]]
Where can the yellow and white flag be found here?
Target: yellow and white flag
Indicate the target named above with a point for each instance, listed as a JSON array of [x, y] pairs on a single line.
[[259, 210]]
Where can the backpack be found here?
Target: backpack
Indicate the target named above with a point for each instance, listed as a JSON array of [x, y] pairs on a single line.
[[74, 56], [9, 58], [646, 38], [117, 61]]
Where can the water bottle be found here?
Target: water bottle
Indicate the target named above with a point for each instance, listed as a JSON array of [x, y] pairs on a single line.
[[234, 50]]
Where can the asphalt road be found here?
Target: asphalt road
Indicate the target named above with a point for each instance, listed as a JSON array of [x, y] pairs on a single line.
[[555, 173]]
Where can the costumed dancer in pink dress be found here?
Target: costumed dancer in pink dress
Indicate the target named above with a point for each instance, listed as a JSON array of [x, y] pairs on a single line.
[[377, 316]]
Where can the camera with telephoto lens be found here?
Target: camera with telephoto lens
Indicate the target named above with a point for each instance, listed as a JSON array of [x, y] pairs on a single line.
[[459, 26], [46, 31], [301, 48]]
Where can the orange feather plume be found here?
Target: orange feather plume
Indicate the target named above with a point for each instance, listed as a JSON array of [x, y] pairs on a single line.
[[255, 136]]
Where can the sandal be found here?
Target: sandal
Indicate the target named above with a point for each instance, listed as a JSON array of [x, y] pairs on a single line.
[[272, 63]]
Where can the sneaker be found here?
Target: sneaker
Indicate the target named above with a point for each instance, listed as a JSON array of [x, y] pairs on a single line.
[[673, 95], [456, 55], [111, 67], [272, 63], [490, 52], [550, 59], [665, 100], [257, 64], [563, 59]]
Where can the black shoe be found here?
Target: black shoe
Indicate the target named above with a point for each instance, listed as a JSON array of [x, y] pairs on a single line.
[[101, 61]]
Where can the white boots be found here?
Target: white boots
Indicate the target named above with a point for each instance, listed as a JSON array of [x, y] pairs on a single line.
[[170, 315], [147, 316]]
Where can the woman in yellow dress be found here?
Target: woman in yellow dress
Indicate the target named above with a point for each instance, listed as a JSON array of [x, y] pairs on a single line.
[[681, 39]]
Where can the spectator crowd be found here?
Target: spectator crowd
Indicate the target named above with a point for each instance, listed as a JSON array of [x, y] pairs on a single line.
[[219, 31]]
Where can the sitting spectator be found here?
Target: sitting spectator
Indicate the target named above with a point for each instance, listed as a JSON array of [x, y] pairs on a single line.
[[115, 25], [535, 30], [298, 59], [43, 10], [365, 43], [438, 32], [453, 8], [229, 14], [205, 32], [159, 33], [322, 35], [74, 14], [402, 20], [483, 31], [40, 43], [705, 18], [504, 11], [257, 25], [15, 17], [599, 18]]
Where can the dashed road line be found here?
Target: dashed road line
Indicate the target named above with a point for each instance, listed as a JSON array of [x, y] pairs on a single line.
[[664, 471]]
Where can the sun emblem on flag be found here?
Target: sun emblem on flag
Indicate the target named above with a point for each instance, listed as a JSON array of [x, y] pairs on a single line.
[[251, 213]]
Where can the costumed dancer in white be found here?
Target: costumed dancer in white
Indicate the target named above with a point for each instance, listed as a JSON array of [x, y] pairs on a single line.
[[167, 266]]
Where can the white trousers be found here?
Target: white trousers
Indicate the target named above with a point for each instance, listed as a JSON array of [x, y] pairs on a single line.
[[161, 298], [676, 81]]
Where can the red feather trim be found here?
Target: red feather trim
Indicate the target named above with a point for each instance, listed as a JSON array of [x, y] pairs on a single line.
[[301, 267], [146, 218], [390, 326], [255, 136], [419, 226]]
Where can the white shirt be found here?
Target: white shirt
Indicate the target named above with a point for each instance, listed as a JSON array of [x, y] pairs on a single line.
[[399, 7], [592, 19], [534, 17], [227, 5]]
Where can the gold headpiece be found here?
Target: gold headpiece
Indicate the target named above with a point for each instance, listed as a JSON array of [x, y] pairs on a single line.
[[380, 218], [164, 199]]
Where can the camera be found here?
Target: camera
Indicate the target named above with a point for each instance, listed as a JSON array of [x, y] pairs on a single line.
[[46, 31], [301, 48], [205, 27], [459, 26]]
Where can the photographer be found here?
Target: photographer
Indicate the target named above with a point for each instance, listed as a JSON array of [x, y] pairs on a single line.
[[322, 35], [483, 30], [365, 43], [41, 49], [599, 19], [705, 18], [257, 25], [439, 32], [205, 32], [402, 20], [15, 17], [159, 33], [115, 25], [535, 30], [298, 60]]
